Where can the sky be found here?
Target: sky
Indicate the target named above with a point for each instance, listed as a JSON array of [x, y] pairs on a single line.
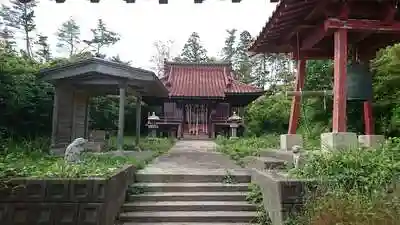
[[142, 23]]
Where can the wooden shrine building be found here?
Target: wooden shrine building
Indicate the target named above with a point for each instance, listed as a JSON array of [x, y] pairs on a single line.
[[76, 82], [202, 96], [348, 31]]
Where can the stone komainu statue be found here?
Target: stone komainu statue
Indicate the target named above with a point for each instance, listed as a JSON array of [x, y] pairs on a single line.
[[296, 149], [73, 151]]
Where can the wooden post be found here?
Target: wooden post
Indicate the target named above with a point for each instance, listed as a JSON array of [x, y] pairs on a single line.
[[87, 118], [138, 117], [295, 108], [121, 117], [339, 87], [55, 117], [209, 119], [184, 118], [368, 118]]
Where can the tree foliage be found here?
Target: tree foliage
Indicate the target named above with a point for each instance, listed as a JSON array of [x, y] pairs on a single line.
[[102, 37], [229, 50], [68, 36], [19, 17], [193, 51]]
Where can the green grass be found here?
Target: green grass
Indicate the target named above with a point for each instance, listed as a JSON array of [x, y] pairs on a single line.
[[239, 148], [42, 165], [30, 158], [355, 187], [147, 143]]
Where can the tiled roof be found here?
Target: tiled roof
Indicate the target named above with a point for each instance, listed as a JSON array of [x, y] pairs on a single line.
[[203, 80]]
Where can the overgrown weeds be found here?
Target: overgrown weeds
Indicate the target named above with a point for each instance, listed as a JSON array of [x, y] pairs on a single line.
[[31, 159], [255, 197], [239, 148], [356, 187], [147, 143]]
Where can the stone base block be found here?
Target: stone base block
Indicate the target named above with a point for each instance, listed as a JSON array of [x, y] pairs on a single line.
[[338, 141], [371, 141], [289, 140], [94, 146]]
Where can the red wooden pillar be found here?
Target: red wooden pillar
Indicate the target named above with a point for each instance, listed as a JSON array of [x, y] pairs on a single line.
[[339, 87], [295, 109], [368, 118]]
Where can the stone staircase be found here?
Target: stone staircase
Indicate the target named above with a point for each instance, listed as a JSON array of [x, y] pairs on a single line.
[[203, 197]]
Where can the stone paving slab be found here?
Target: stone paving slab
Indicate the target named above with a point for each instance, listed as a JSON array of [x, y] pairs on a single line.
[[193, 156]]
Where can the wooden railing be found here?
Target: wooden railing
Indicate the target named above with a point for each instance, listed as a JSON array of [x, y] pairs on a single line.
[[179, 119], [170, 119]]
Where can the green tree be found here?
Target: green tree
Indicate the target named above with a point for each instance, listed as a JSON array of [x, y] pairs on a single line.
[[26, 102], [19, 17], [386, 68], [44, 48], [229, 50], [68, 36], [260, 72], [243, 64], [102, 37], [193, 51], [7, 36]]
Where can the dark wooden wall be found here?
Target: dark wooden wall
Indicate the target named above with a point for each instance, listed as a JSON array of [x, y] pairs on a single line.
[[71, 116]]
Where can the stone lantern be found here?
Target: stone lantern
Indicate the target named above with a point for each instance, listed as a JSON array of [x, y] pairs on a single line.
[[152, 124], [234, 122]]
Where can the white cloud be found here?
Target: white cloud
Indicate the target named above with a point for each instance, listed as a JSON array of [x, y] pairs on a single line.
[[143, 22]]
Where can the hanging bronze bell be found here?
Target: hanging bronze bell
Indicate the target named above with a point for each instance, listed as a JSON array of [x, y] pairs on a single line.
[[359, 82]]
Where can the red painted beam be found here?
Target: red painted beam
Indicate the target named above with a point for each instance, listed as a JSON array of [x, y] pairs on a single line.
[[388, 14], [362, 25], [295, 108], [318, 9], [322, 31], [314, 37], [311, 54], [298, 29], [339, 120]]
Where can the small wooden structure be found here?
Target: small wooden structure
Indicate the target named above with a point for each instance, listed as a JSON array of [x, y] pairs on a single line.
[[325, 29], [202, 96], [76, 82]]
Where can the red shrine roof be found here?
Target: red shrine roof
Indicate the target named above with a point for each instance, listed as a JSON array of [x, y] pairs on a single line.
[[215, 80], [293, 22]]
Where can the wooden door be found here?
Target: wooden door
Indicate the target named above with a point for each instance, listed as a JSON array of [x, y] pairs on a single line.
[[196, 121], [79, 120]]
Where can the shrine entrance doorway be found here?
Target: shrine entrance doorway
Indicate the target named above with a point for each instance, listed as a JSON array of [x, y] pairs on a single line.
[[196, 121]]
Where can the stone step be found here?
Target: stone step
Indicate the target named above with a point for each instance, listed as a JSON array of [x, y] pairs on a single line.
[[278, 154], [185, 223], [217, 176], [189, 196], [191, 187], [265, 163], [188, 216], [284, 155], [163, 206]]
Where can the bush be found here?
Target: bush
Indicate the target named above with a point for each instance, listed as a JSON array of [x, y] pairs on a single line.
[[342, 207], [357, 187], [367, 171], [30, 158], [147, 144], [239, 148]]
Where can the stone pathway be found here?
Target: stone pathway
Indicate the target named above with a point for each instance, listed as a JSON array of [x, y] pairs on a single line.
[[192, 156], [192, 184]]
